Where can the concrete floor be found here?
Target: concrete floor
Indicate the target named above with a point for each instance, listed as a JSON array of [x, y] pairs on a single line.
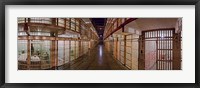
[[96, 59]]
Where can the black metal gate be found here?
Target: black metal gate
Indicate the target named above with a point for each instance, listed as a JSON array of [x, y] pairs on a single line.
[[157, 49]]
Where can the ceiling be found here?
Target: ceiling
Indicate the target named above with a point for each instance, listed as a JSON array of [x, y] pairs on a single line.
[[99, 24], [144, 24]]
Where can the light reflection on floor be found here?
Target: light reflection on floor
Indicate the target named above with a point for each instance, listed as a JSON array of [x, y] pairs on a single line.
[[96, 58], [100, 58]]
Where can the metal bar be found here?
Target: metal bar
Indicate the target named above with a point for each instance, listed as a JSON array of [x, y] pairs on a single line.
[[69, 52], [167, 43], [117, 48], [124, 52], [162, 53], [131, 51], [156, 50], [29, 54], [64, 53], [169, 50], [161, 50]]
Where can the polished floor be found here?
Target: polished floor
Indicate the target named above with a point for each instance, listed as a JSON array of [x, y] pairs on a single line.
[[96, 59]]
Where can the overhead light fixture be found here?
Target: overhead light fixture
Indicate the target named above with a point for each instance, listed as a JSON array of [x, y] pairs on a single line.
[[162, 36]]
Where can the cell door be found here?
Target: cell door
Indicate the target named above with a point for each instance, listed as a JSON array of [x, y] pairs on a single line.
[[128, 51], [159, 49], [67, 51], [135, 48], [72, 50], [76, 49], [61, 52], [115, 48], [112, 46], [118, 49], [121, 55]]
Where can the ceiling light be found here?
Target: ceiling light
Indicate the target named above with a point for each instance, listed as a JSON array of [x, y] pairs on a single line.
[[162, 36]]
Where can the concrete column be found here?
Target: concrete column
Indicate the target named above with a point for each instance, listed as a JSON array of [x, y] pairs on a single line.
[[53, 53], [80, 49], [124, 49], [141, 56], [28, 44], [176, 52], [28, 54]]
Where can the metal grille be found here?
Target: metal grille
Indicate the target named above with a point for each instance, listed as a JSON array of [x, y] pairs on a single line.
[[129, 51], [159, 49], [67, 49], [122, 50], [72, 50], [61, 52], [22, 54]]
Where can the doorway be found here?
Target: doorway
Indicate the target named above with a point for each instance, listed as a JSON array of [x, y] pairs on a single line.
[[158, 49]]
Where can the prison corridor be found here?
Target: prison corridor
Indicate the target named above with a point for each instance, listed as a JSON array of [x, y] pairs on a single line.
[[99, 43], [97, 58]]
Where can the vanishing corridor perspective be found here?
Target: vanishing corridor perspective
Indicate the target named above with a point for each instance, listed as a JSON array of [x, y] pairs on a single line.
[[99, 43]]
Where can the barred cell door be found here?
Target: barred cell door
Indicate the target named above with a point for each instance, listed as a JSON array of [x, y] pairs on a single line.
[[112, 47], [128, 51], [158, 49], [121, 50], [115, 48]]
